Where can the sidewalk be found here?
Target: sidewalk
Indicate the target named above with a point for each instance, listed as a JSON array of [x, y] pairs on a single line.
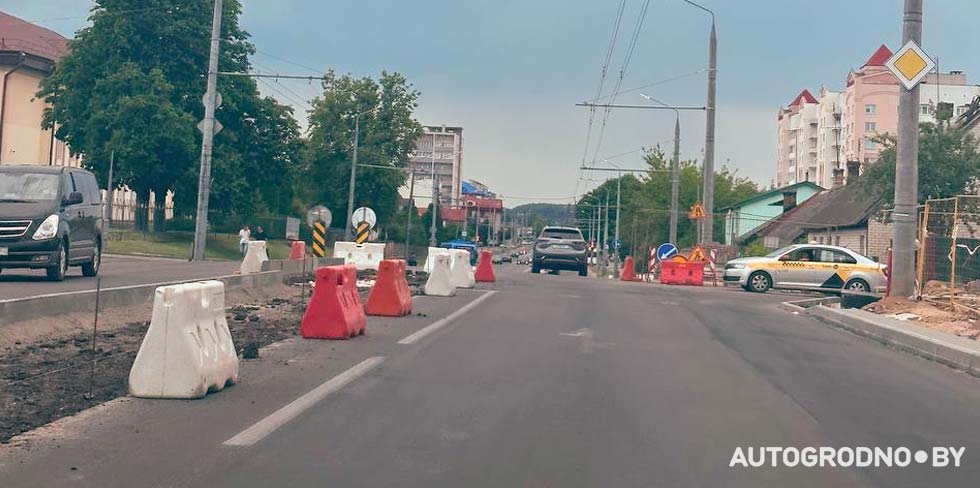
[[953, 351]]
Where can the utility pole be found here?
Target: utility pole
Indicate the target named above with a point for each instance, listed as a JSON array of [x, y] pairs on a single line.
[[433, 241], [353, 179], [619, 185], [411, 210], [605, 237], [675, 179], [207, 140], [709, 132], [906, 169]]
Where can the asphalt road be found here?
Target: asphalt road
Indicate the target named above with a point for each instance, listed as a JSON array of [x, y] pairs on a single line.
[[116, 271], [551, 381]]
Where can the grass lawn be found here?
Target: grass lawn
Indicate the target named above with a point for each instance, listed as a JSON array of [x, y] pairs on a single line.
[[178, 245]]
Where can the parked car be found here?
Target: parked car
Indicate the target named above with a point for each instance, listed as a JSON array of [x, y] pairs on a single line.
[[807, 267], [497, 259], [560, 248], [50, 218], [507, 258]]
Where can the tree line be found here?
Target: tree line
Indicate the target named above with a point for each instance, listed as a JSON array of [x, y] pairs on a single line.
[[132, 87]]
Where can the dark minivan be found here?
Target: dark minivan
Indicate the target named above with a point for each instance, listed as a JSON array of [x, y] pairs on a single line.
[[50, 218]]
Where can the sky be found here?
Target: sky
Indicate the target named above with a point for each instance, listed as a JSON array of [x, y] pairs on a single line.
[[511, 71]]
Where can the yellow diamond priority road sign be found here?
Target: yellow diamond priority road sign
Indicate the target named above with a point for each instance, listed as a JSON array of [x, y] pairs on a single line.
[[910, 64]]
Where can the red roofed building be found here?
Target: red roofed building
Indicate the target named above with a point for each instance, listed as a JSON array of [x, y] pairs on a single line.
[[28, 53], [817, 136]]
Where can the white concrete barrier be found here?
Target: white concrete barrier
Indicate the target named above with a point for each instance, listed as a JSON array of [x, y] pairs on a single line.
[[434, 251], [440, 282], [362, 256], [187, 351], [463, 276], [255, 255]]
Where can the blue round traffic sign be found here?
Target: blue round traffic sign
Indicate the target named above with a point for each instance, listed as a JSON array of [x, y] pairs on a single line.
[[666, 251]]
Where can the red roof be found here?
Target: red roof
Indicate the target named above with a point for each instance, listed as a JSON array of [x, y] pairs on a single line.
[[880, 57], [17, 34], [453, 214], [483, 203], [804, 96]]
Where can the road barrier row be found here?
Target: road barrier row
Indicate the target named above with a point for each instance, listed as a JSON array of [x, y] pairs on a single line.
[[188, 349], [363, 256]]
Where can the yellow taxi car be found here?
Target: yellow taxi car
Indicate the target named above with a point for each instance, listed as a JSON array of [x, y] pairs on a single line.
[[808, 267]]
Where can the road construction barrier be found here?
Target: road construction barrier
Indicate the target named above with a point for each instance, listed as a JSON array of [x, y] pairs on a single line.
[[255, 255], [682, 273], [187, 350], [362, 256], [463, 276], [628, 273], [390, 295], [484, 268], [440, 282], [433, 252], [297, 251], [335, 310]]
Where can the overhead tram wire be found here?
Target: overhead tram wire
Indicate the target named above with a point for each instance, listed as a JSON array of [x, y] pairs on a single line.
[[602, 80], [649, 85], [622, 73]]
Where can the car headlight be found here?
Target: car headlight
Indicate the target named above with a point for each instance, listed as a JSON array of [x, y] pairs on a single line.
[[47, 229], [735, 266]]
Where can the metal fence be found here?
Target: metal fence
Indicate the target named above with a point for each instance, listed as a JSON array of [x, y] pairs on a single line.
[[948, 264]]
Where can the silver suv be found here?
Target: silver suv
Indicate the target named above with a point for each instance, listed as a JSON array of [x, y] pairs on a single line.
[[560, 248]]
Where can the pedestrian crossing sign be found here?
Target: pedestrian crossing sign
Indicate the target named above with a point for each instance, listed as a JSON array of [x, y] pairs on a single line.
[[697, 212]]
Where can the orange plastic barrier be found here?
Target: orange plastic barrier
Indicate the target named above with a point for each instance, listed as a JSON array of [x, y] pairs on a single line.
[[335, 310], [675, 273], [628, 273], [298, 251], [390, 295], [484, 268]]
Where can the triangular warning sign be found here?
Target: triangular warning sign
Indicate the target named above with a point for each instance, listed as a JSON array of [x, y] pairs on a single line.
[[696, 212], [697, 254]]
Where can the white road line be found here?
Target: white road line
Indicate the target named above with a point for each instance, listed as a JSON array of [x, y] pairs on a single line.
[[421, 333], [268, 425]]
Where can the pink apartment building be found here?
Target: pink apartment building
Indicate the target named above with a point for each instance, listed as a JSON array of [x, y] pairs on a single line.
[[817, 136]]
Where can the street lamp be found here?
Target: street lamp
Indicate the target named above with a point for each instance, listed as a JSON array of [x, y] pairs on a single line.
[[709, 130], [353, 172], [675, 177]]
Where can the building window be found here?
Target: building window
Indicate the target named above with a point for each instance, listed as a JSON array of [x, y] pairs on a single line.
[[962, 109], [870, 127], [924, 109], [870, 108], [870, 144]]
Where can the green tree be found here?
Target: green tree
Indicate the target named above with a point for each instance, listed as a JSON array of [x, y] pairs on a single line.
[[132, 84], [645, 200], [949, 163], [387, 137]]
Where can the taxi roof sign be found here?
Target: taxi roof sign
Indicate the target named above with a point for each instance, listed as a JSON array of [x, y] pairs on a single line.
[[697, 212], [910, 65]]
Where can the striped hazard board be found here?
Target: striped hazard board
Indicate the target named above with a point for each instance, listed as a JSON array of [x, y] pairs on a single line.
[[363, 231], [319, 238]]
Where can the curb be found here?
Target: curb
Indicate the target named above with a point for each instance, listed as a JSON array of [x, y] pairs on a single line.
[[953, 351], [801, 306]]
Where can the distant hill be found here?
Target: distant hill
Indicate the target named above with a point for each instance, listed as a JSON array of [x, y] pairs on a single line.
[[547, 213]]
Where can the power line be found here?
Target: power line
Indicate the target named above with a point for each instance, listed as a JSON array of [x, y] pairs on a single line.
[[622, 73], [655, 83]]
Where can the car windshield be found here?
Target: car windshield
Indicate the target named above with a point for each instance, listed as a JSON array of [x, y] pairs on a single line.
[[28, 187], [780, 251], [561, 234]]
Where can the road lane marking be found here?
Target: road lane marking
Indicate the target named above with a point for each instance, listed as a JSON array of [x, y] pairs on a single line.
[[277, 419], [421, 333]]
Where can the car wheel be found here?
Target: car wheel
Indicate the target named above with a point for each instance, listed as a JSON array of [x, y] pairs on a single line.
[[857, 285], [91, 268], [535, 269], [760, 282], [58, 271]]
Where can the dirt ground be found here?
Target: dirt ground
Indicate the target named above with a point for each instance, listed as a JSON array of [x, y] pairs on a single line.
[[51, 378], [933, 314], [48, 368]]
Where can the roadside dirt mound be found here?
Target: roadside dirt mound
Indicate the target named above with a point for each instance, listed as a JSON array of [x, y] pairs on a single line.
[[48, 379], [928, 315]]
